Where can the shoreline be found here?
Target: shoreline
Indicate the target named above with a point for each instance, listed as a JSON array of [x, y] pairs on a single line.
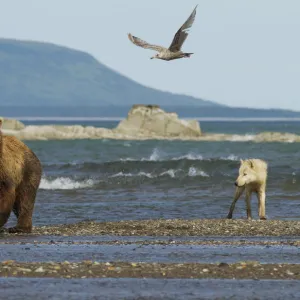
[[178, 237], [175, 227], [93, 269]]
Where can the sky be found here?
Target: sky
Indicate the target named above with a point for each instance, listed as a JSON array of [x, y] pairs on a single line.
[[247, 52]]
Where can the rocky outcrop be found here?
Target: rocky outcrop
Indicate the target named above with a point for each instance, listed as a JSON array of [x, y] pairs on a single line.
[[142, 123], [60, 132], [152, 121], [12, 124]]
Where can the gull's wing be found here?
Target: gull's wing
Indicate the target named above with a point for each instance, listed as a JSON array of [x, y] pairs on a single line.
[[182, 33], [138, 42]]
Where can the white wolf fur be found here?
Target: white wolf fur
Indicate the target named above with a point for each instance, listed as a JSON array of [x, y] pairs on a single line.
[[252, 178]]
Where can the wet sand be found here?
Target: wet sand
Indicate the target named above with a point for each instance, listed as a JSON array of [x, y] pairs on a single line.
[[177, 227], [91, 269], [142, 256]]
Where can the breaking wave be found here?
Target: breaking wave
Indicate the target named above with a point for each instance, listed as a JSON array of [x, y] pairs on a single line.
[[64, 183], [172, 173], [195, 172], [122, 174], [189, 156], [157, 155], [231, 157]]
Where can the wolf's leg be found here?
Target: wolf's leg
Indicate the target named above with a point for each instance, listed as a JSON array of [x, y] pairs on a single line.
[[261, 195], [238, 193], [248, 204], [259, 206]]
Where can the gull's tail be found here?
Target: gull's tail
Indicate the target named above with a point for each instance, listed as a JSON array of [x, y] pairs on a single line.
[[188, 54]]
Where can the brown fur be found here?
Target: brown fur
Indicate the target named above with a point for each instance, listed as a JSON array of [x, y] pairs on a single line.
[[20, 175]]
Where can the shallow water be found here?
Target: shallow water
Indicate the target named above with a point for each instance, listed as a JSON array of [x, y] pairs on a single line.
[[179, 253], [109, 180], [83, 289]]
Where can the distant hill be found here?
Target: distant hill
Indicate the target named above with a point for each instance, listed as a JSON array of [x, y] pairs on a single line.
[[43, 79], [42, 74]]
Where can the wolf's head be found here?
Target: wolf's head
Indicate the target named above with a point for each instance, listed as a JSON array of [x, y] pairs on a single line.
[[247, 173]]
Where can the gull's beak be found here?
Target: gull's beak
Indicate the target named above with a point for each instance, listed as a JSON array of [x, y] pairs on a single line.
[[152, 57]]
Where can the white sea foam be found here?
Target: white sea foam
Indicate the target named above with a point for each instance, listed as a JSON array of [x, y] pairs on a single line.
[[128, 159], [195, 172], [192, 172], [121, 174], [189, 156], [230, 157], [64, 183], [170, 172], [155, 156]]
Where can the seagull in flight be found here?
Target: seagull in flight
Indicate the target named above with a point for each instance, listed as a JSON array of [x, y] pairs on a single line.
[[174, 51]]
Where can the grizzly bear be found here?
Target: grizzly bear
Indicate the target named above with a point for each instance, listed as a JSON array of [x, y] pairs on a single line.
[[20, 175]]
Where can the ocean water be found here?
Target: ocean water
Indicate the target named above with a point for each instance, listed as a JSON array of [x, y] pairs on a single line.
[[112, 180]]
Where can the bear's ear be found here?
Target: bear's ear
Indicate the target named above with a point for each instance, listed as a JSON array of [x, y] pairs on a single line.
[[251, 163], [241, 161]]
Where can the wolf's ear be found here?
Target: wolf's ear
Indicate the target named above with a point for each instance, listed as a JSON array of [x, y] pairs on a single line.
[[251, 163]]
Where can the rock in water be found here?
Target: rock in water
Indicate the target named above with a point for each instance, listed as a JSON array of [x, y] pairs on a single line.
[[151, 120], [12, 124]]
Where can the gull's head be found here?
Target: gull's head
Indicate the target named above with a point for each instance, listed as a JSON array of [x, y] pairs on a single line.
[[155, 56]]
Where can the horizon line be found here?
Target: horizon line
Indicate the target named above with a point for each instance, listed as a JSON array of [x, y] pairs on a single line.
[[208, 119]]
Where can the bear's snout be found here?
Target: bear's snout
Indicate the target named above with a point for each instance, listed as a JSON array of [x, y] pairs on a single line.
[[235, 184]]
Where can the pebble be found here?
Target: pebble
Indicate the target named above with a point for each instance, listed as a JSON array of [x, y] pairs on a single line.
[[288, 272], [8, 262], [39, 270], [222, 264], [24, 270]]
